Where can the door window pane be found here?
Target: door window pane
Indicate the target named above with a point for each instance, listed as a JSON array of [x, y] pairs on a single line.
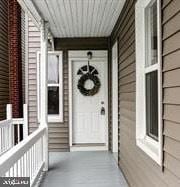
[[53, 100], [152, 104], [53, 69], [151, 31]]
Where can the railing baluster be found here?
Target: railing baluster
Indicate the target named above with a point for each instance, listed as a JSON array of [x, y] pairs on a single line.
[[28, 161], [19, 167], [33, 158], [3, 139], [24, 165], [15, 170], [35, 155], [31, 162], [11, 172], [9, 136], [18, 132]]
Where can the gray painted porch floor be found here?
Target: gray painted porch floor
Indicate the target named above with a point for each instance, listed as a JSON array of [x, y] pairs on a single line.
[[83, 169]]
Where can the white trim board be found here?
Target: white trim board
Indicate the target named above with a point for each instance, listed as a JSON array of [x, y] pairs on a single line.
[[114, 83], [88, 148], [82, 55]]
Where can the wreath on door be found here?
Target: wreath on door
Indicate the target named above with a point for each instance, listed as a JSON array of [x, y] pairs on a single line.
[[92, 91], [88, 72]]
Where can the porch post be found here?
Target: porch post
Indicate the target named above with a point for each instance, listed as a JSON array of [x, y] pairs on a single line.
[[43, 89]]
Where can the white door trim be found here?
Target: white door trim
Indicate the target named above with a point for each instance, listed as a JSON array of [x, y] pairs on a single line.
[[81, 55], [114, 83]]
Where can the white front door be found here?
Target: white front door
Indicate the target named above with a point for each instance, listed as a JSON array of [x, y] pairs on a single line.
[[89, 113]]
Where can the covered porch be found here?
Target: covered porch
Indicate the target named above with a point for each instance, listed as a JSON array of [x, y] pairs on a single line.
[[75, 28]]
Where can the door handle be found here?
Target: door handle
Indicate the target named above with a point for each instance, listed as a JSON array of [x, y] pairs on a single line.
[[102, 111]]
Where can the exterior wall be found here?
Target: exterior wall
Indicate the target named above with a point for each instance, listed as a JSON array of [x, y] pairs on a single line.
[[4, 63], [139, 169], [58, 132], [23, 53], [171, 88], [33, 48], [15, 56]]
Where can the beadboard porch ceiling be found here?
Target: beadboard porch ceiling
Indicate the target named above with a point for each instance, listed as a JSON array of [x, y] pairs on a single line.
[[80, 18]]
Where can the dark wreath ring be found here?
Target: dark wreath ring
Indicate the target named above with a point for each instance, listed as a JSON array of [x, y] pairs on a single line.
[[94, 79]]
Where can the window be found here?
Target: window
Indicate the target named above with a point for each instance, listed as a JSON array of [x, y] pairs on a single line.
[[148, 79], [55, 87]]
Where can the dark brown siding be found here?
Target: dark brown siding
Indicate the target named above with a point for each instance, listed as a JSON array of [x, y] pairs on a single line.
[[139, 169], [4, 65], [100, 43]]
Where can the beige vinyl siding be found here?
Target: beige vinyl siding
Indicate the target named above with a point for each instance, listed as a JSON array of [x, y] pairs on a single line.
[[4, 64], [58, 132], [33, 48], [171, 87], [139, 169]]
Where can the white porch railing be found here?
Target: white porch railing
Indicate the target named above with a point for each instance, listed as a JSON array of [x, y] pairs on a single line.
[[10, 129], [27, 158]]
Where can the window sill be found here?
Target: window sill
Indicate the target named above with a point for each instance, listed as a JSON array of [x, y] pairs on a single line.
[[151, 148], [55, 119]]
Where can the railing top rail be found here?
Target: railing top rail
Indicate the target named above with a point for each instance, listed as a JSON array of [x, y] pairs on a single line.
[[17, 120], [5, 122], [14, 154]]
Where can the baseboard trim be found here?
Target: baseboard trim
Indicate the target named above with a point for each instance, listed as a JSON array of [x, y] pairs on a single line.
[[88, 148]]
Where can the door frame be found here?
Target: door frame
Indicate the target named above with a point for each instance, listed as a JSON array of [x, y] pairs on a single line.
[[114, 82], [74, 55]]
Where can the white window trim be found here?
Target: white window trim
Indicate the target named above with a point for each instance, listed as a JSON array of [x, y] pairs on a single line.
[[147, 144], [59, 117]]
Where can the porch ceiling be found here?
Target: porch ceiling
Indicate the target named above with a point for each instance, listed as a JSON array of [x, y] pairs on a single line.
[[80, 18]]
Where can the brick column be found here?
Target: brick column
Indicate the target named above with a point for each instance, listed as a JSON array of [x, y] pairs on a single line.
[[15, 58]]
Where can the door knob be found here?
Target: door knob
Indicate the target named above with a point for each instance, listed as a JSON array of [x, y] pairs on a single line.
[[102, 111]]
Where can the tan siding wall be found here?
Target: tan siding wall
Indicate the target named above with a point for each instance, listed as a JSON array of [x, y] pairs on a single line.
[[4, 64], [33, 47], [58, 132], [139, 169], [171, 87]]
